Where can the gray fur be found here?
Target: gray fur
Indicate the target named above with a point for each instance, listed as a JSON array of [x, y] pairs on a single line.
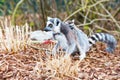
[[76, 40], [82, 38], [62, 43], [71, 39], [106, 38], [102, 37]]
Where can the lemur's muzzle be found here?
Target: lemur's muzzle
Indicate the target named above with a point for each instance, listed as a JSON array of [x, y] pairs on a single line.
[[45, 29]]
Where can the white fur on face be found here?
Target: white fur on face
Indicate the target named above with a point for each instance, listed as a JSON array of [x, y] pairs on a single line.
[[56, 29], [57, 26], [48, 22]]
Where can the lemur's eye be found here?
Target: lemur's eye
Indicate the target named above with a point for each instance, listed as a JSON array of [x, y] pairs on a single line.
[[50, 25]]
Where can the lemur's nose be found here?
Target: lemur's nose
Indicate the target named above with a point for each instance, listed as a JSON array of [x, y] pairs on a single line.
[[45, 29]]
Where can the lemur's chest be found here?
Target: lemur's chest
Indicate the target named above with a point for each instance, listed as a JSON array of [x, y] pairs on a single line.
[[61, 41]]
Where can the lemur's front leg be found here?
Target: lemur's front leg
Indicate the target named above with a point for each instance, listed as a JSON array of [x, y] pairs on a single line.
[[55, 49], [81, 49]]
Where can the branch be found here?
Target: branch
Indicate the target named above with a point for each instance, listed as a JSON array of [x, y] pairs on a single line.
[[103, 15], [85, 19], [110, 16], [83, 8], [96, 26], [116, 12], [113, 32], [15, 10], [92, 21]]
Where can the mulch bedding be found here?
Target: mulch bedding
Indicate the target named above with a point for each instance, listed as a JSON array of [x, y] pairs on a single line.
[[98, 65]]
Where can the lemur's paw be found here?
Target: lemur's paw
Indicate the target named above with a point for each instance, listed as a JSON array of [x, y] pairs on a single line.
[[82, 57]]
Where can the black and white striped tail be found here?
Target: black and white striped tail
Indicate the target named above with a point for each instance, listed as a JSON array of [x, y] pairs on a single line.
[[106, 38]]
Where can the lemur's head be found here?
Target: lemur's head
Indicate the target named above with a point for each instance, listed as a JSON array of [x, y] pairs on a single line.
[[71, 23], [53, 24]]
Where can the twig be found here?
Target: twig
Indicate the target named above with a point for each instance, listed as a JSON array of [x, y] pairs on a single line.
[[103, 15], [92, 21], [95, 59], [15, 10], [96, 26], [42, 10], [110, 16], [67, 8], [83, 8], [116, 12], [84, 16], [113, 32], [101, 28], [85, 19]]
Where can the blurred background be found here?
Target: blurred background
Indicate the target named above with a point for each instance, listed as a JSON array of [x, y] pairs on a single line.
[[89, 15]]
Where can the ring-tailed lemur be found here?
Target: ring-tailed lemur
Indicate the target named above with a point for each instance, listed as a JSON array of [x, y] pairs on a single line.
[[71, 41], [102, 37]]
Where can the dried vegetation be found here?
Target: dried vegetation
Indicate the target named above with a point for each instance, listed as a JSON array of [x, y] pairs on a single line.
[[19, 61]]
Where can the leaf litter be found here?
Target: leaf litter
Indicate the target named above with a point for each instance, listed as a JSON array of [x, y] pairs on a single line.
[[32, 64]]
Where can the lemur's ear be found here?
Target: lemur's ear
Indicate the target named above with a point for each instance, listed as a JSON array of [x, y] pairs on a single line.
[[57, 21], [73, 20], [48, 18]]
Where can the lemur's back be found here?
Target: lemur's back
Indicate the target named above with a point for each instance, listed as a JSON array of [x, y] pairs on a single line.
[[102, 37], [83, 40], [82, 37]]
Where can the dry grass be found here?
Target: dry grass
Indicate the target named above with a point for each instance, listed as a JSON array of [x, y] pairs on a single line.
[[35, 64], [30, 64], [13, 38], [58, 68]]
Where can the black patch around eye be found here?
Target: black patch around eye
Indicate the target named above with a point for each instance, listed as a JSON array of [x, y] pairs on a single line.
[[50, 25]]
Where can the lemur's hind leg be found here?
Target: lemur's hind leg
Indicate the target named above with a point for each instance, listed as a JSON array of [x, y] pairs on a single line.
[[71, 49], [81, 50]]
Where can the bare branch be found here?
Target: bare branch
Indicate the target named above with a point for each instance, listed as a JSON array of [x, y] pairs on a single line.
[[86, 16], [100, 14], [92, 21], [110, 16], [83, 8]]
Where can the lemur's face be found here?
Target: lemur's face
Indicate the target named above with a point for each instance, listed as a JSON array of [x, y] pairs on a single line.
[[53, 24], [71, 23]]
